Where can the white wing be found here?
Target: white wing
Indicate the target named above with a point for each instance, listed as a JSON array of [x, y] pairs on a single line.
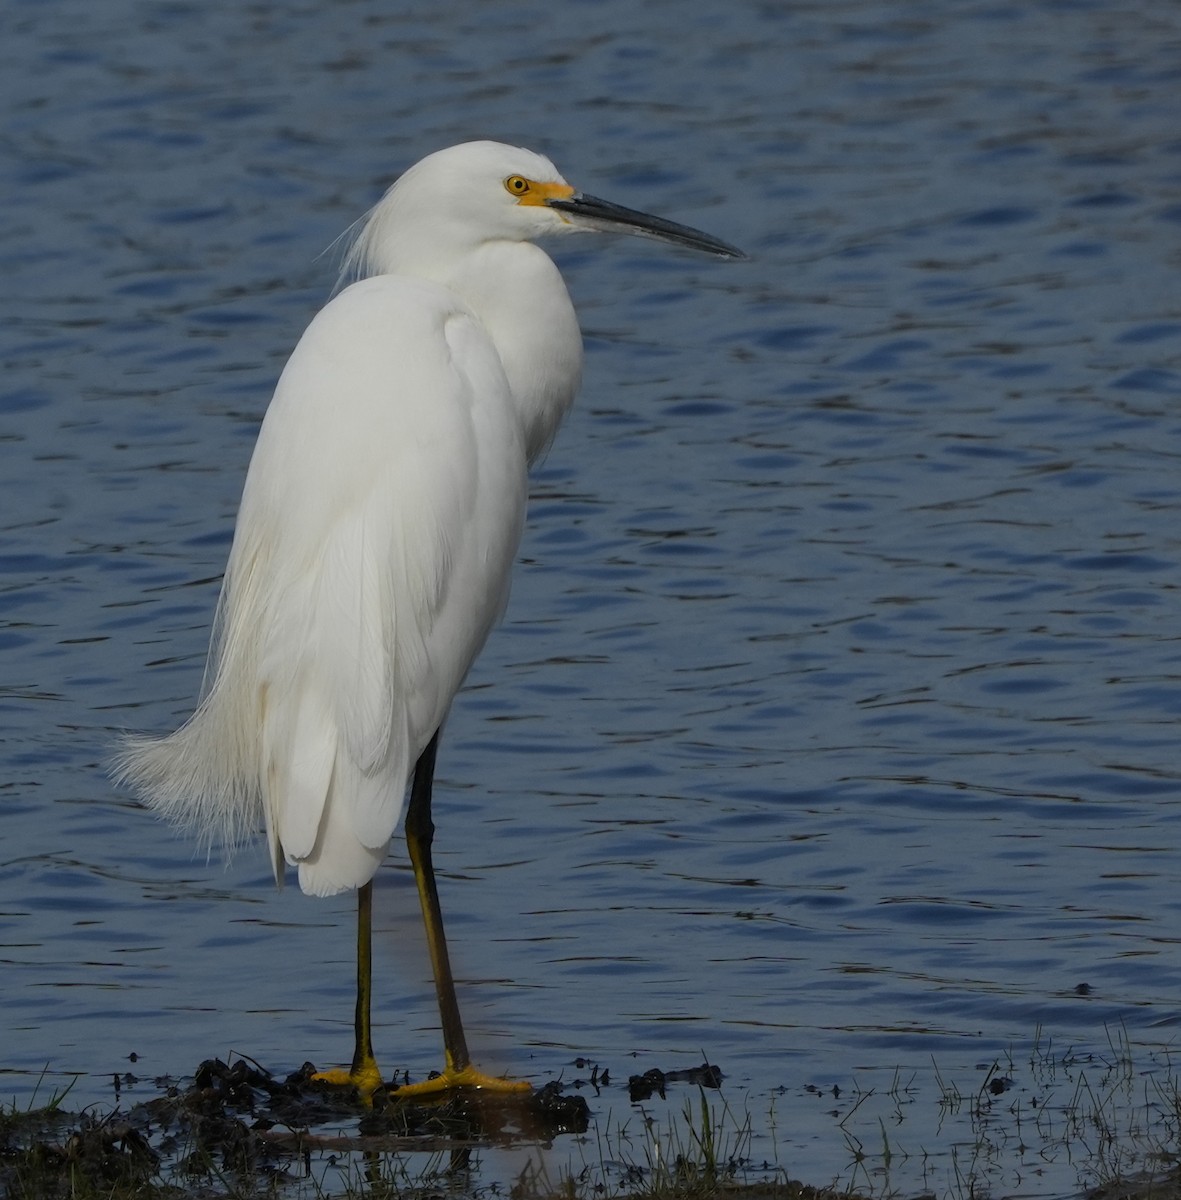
[[379, 522]]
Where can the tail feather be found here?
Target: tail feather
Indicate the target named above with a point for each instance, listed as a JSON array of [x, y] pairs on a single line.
[[194, 779]]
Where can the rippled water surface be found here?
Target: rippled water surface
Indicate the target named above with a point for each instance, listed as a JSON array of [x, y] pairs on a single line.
[[832, 727]]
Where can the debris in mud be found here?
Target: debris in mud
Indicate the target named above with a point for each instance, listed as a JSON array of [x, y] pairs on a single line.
[[237, 1120], [655, 1081], [599, 1078], [286, 1113], [109, 1152]]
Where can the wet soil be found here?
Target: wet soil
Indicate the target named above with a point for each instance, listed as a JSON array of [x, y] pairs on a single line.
[[235, 1129], [237, 1119]]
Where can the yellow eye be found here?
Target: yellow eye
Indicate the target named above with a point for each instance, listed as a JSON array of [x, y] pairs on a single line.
[[517, 185]]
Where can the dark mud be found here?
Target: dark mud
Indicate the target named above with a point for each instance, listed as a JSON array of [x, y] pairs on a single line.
[[237, 1120], [655, 1082], [244, 1115], [236, 1130]]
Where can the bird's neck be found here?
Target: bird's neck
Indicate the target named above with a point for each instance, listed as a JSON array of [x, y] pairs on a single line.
[[517, 293]]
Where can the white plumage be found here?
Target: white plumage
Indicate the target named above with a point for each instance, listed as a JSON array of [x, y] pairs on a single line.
[[381, 515]]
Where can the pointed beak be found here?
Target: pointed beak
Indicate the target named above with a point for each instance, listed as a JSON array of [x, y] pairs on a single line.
[[587, 211]]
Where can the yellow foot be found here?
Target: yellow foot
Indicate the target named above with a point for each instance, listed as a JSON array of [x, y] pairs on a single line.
[[452, 1080], [366, 1079]]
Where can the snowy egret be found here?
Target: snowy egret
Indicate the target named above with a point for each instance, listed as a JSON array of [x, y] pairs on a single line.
[[379, 521]]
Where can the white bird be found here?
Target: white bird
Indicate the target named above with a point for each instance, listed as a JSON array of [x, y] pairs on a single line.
[[381, 514]]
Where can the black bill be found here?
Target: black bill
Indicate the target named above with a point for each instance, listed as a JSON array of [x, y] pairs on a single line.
[[602, 214]]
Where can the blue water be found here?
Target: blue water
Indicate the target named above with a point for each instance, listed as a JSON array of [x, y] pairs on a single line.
[[832, 730]]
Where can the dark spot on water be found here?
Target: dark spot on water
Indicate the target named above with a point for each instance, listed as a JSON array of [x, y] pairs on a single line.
[[23, 400], [1000, 215], [1118, 561], [1149, 379], [1103, 200]]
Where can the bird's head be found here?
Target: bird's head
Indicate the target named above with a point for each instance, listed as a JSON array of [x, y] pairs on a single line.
[[477, 192]]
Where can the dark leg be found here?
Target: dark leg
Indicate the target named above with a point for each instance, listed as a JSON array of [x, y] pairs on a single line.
[[363, 1075], [420, 833], [458, 1071], [363, 1059]]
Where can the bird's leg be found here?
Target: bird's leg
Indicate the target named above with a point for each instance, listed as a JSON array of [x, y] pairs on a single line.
[[458, 1071], [420, 835], [364, 1064], [363, 1074]]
